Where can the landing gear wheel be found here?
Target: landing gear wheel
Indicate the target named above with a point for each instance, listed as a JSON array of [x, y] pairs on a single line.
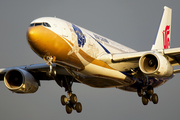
[[64, 100], [155, 98], [68, 109], [145, 100], [78, 107], [73, 99], [150, 90], [140, 92]]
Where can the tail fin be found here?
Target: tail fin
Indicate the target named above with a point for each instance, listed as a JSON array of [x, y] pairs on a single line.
[[163, 38]]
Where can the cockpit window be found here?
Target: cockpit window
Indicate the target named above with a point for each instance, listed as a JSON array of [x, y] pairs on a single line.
[[47, 24], [44, 24], [31, 25], [40, 24]]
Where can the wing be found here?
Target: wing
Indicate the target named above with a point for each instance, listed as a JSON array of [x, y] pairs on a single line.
[[173, 56], [138, 58], [26, 79], [38, 71]]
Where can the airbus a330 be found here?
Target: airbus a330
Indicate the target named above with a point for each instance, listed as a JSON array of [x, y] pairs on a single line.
[[74, 54]]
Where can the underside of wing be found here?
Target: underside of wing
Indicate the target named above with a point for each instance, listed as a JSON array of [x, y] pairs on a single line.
[[26, 79], [39, 71], [173, 55]]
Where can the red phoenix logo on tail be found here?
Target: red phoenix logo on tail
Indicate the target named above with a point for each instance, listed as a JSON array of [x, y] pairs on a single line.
[[166, 40]]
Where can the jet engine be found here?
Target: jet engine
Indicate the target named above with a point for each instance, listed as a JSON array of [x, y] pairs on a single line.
[[154, 64], [20, 81]]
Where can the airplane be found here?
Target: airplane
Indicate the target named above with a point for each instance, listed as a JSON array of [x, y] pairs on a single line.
[[73, 54]]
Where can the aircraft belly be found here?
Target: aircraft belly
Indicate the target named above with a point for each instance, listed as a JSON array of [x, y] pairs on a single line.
[[155, 82], [101, 82], [124, 66], [100, 76]]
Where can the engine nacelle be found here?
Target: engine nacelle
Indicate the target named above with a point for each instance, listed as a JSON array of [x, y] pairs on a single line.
[[154, 64], [20, 81]]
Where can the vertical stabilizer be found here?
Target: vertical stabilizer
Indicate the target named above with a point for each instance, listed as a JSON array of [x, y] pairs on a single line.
[[163, 38]]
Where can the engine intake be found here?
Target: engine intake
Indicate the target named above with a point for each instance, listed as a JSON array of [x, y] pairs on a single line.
[[154, 64], [20, 81]]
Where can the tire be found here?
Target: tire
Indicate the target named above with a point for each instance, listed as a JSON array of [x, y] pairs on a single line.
[[73, 99], [155, 98], [145, 100], [78, 107], [140, 92], [68, 109], [63, 100]]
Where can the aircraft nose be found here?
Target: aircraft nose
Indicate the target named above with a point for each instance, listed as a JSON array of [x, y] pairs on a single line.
[[32, 34], [36, 37]]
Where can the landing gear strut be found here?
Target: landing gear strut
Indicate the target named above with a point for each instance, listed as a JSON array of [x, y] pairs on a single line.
[[70, 102], [49, 61], [148, 95]]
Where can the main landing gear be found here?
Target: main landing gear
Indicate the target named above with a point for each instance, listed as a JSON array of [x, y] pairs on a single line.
[[147, 95], [70, 102]]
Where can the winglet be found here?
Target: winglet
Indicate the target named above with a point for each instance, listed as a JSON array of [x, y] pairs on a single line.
[[163, 38]]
